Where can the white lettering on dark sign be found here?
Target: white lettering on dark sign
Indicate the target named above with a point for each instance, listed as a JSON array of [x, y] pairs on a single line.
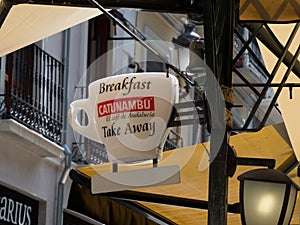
[[14, 212]]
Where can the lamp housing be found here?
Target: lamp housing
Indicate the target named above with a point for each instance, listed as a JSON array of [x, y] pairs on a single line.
[[267, 197], [189, 34]]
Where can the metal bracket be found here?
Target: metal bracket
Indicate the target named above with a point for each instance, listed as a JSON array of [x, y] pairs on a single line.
[[129, 25]]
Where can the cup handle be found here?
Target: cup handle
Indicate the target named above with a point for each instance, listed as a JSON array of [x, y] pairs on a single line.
[[89, 130]]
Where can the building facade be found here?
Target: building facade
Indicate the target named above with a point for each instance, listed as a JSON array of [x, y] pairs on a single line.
[[39, 82]]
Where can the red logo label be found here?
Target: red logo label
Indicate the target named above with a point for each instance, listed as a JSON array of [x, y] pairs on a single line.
[[133, 104]]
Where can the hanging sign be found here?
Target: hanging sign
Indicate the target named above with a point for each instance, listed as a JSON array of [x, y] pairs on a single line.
[[128, 113]]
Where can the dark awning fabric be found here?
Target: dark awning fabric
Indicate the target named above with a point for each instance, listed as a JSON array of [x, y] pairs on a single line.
[[105, 210]]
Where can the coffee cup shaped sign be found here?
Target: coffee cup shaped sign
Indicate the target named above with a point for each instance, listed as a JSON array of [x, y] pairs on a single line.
[[128, 113]]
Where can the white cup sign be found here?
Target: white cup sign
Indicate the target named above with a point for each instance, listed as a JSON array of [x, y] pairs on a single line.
[[128, 113]]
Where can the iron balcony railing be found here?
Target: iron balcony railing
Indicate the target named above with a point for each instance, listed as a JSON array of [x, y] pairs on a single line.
[[34, 91]]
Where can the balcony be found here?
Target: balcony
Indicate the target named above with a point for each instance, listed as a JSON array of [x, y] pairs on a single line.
[[33, 93]]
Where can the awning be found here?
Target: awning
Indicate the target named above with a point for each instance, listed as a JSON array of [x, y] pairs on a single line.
[[270, 142], [29, 23], [280, 11]]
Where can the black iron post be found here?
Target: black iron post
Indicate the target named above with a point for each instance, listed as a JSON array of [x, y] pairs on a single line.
[[219, 22]]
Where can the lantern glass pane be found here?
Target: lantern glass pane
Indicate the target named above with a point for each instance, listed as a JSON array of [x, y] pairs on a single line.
[[262, 202], [290, 206], [183, 58]]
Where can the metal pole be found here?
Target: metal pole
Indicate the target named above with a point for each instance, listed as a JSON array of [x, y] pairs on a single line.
[[269, 39], [65, 86], [61, 185], [2, 74], [67, 152], [219, 23]]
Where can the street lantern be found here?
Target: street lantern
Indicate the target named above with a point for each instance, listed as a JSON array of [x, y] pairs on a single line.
[[267, 197], [182, 43], [187, 36]]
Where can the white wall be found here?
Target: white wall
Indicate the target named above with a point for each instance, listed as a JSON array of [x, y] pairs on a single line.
[[29, 174]]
